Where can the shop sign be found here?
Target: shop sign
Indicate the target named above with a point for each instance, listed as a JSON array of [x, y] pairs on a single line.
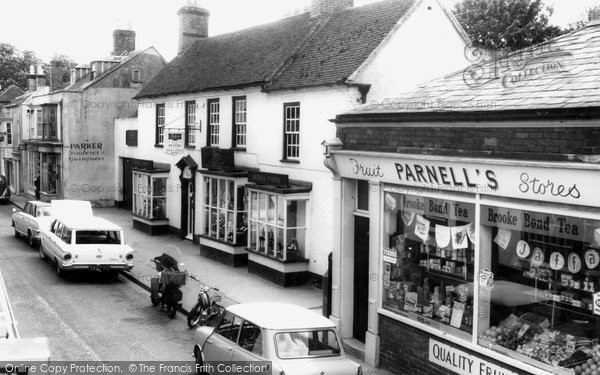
[[536, 222], [390, 256], [461, 362], [217, 159], [551, 182], [264, 178], [174, 142], [450, 210]]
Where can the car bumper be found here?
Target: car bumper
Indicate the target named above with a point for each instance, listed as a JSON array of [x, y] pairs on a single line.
[[97, 267]]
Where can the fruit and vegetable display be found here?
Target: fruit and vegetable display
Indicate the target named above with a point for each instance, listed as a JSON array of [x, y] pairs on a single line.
[[532, 336]]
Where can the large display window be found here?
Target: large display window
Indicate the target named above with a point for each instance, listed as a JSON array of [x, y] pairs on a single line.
[[278, 224], [150, 195], [539, 299], [428, 262], [224, 210]]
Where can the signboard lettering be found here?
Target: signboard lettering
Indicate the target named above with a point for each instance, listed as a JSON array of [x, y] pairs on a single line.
[[461, 362], [217, 159], [545, 181], [263, 178]]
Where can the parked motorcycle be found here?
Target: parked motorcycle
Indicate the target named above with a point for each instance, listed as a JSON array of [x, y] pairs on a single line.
[[164, 287], [206, 308]]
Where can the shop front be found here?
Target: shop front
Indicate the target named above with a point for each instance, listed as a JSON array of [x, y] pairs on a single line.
[[43, 168], [476, 265]]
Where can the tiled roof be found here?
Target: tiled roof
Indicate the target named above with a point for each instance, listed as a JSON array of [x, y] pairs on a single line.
[[340, 47], [294, 52], [10, 93], [561, 74]]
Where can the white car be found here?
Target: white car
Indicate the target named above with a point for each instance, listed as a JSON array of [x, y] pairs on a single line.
[[295, 340], [35, 215], [85, 242]]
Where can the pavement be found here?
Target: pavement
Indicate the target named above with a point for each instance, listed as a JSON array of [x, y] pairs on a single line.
[[235, 285]]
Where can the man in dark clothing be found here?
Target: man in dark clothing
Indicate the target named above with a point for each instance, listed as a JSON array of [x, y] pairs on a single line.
[[36, 183]]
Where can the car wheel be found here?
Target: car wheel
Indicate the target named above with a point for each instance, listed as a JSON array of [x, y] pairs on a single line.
[[42, 254], [199, 362], [59, 271], [30, 239]]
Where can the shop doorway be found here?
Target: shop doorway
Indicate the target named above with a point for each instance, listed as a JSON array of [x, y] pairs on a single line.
[[187, 209], [361, 277]]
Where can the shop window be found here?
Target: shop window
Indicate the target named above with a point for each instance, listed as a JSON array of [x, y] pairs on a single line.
[[278, 225], [150, 195], [49, 173], [224, 210], [428, 262], [539, 299]]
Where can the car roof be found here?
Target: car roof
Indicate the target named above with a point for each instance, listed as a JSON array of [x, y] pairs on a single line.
[[40, 203], [88, 223], [275, 315]]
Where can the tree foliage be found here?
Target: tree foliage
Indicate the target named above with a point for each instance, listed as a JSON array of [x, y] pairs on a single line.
[[590, 14], [506, 24], [14, 65]]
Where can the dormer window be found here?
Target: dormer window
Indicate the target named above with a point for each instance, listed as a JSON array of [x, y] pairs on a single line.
[[136, 75]]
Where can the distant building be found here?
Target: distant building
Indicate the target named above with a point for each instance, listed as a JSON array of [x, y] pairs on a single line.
[[67, 133]]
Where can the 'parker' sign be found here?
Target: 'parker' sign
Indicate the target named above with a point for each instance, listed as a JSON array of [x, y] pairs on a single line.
[[462, 363]]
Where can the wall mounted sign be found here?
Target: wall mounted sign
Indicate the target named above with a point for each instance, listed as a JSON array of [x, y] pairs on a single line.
[[173, 142], [217, 159], [86, 151], [551, 182], [264, 178], [460, 362]]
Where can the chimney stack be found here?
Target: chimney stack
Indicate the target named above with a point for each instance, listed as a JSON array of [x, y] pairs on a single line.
[[56, 76], [193, 25], [326, 8], [123, 42], [35, 78]]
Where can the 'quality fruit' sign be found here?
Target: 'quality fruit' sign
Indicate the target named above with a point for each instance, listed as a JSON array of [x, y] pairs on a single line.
[[460, 362]]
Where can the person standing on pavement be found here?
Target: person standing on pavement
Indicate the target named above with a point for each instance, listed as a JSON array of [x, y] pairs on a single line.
[[36, 183]]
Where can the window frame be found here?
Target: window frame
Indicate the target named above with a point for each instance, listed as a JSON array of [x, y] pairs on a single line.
[[143, 201], [212, 206], [213, 129], [9, 134], [136, 75], [190, 127], [286, 144], [159, 132], [236, 135]]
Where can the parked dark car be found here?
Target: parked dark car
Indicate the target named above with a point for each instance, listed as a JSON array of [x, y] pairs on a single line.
[[4, 190]]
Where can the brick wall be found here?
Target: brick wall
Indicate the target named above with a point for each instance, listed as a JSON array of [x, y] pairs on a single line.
[[193, 25], [324, 8], [405, 350], [123, 41], [516, 143]]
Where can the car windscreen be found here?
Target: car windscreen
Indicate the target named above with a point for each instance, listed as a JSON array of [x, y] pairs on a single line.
[[314, 343], [44, 211], [97, 237]]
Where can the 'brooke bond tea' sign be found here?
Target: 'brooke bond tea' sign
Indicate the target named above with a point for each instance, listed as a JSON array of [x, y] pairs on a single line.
[[553, 182]]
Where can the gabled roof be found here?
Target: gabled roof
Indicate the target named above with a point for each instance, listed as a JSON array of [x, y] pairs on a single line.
[[10, 93], [561, 75], [295, 52]]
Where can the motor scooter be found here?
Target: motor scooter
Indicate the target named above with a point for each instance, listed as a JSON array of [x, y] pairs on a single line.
[[164, 287], [206, 308]]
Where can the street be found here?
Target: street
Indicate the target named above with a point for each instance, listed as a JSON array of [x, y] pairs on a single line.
[[86, 317]]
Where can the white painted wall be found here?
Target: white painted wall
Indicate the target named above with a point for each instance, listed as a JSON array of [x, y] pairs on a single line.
[[424, 47]]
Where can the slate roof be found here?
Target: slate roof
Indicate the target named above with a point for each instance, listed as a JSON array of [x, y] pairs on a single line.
[[340, 47], [10, 93], [562, 74], [295, 52]]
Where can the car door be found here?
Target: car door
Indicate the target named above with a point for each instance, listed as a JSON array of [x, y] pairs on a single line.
[[53, 238], [250, 343], [220, 345], [21, 219]]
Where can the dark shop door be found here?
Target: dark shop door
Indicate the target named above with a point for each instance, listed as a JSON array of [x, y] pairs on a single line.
[[361, 277]]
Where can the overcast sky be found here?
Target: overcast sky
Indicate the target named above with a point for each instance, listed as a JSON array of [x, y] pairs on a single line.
[[82, 30]]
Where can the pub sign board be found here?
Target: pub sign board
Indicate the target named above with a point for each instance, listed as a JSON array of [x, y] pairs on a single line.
[[264, 178], [218, 159]]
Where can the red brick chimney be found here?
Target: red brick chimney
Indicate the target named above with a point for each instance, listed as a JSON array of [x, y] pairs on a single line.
[[193, 25], [123, 42], [326, 8]]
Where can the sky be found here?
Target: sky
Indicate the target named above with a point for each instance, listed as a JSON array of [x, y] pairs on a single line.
[[83, 29]]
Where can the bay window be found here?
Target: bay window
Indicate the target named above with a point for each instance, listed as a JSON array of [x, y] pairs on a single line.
[[277, 224], [224, 210], [150, 195]]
